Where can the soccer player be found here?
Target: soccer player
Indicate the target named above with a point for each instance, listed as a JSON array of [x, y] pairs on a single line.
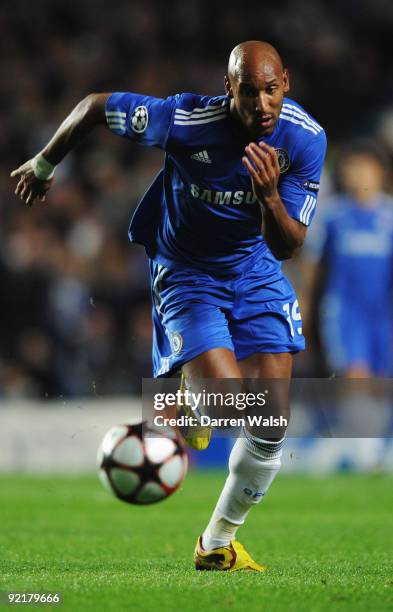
[[355, 246], [235, 197]]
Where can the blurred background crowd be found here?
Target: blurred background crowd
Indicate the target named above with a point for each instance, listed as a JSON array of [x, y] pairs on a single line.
[[75, 303]]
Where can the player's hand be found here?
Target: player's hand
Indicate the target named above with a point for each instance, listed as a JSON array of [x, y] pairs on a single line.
[[262, 163], [29, 187]]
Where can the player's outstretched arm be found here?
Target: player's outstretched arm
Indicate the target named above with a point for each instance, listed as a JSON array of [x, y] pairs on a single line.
[[35, 176], [282, 233]]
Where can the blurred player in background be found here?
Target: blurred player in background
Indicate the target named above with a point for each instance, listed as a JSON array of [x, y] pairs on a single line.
[[236, 195], [355, 273]]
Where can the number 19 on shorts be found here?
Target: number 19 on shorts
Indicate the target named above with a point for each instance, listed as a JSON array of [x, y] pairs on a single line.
[[293, 317]]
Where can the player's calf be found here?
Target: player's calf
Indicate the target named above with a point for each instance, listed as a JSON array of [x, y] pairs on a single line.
[[253, 465]]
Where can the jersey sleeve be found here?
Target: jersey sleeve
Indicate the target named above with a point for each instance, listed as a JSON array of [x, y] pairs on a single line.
[[300, 186], [140, 118]]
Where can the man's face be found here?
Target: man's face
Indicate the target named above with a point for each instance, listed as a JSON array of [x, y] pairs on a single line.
[[362, 176], [257, 93]]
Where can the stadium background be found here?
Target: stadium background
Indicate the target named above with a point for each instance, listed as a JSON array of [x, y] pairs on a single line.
[[75, 306]]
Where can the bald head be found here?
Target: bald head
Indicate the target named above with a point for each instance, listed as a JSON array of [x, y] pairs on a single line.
[[253, 57], [256, 83]]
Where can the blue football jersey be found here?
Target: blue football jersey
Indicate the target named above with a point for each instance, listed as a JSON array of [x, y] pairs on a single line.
[[200, 211], [357, 247]]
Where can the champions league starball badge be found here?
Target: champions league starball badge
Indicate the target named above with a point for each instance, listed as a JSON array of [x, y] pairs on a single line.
[[283, 160], [139, 119]]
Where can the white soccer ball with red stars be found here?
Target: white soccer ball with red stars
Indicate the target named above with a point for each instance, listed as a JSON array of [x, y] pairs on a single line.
[[140, 464]]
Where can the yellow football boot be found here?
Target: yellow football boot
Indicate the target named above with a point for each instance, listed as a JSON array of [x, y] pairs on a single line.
[[230, 558], [196, 436]]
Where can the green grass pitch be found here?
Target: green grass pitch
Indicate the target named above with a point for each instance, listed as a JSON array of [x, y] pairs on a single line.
[[328, 543]]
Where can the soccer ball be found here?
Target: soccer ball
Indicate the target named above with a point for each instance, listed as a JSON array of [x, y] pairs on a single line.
[[140, 469]]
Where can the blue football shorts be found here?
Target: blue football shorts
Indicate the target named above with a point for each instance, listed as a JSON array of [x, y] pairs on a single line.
[[194, 312], [356, 336]]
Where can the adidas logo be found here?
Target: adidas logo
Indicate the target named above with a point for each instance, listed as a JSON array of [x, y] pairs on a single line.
[[202, 156]]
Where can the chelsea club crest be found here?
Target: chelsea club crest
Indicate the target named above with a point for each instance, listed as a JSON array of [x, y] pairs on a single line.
[[283, 160], [176, 341]]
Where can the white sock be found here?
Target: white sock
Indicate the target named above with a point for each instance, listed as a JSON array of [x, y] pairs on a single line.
[[253, 465]]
